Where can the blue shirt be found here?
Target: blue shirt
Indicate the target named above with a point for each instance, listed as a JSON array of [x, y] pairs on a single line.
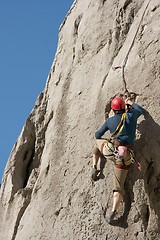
[[127, 135]]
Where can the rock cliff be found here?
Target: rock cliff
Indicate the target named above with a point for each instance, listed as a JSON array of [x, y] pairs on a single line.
[[46, 191]]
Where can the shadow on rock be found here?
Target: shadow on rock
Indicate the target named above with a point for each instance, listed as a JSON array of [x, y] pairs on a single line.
[[147, 151]]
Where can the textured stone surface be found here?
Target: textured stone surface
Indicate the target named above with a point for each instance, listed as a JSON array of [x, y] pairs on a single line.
[[46, 192]]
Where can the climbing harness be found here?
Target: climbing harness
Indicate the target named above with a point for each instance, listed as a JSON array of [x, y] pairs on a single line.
[[129, 50], [118, 154], [109, 147], [114, 148]]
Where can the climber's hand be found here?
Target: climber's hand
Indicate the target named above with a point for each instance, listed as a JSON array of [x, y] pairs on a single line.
[[128, 101]]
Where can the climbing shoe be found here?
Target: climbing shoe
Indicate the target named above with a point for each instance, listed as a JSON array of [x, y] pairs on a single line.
[[94, 174], [110, 217]]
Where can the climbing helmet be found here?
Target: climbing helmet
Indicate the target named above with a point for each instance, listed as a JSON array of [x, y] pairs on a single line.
[[117, 104]]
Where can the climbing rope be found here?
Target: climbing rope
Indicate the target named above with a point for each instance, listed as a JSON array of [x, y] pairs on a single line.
[[126, 92]]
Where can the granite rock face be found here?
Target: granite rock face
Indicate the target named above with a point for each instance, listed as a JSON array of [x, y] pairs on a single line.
[[46, 191]]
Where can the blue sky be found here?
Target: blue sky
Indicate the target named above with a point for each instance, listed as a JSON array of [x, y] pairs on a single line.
[[28, 42]]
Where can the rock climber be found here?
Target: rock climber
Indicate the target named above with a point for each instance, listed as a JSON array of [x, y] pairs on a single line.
[[122, 127]]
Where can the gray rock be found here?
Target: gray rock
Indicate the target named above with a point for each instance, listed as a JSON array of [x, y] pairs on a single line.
[[46, 191]]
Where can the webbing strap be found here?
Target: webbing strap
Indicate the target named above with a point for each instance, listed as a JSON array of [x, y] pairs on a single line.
[[119, 128], [110, 149], [122, 167]]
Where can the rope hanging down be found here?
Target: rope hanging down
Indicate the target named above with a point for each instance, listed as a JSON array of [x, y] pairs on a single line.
[[126, 57]]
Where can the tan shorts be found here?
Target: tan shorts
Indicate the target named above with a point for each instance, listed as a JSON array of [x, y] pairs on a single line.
[[106, 149], [119, 180]]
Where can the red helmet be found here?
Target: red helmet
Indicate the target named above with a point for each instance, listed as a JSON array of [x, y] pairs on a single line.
[[117, 104]]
